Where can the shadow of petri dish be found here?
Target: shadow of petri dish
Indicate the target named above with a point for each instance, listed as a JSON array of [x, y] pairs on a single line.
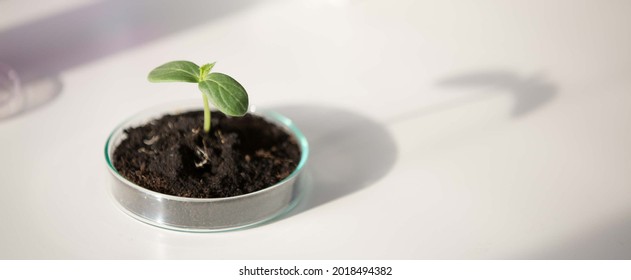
[[348, 152]]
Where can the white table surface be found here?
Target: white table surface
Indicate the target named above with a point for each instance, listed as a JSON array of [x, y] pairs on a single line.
[[439, 129]]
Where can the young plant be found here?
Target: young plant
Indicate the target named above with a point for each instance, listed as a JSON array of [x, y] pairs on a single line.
[[222, 90]]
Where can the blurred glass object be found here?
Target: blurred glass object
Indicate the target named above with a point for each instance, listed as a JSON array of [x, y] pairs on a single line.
[[11, 99]]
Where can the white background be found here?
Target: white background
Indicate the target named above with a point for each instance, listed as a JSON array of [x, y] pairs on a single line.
[[439, 129]]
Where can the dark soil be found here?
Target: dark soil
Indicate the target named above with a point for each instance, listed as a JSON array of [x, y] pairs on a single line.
[[173, 155]]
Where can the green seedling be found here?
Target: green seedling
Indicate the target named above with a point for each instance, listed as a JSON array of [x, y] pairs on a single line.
[[222, 90]]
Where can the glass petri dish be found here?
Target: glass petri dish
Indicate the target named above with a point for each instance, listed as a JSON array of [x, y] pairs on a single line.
[[203, 214]]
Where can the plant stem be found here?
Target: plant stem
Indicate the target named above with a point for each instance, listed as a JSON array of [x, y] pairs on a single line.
[[206, 114]]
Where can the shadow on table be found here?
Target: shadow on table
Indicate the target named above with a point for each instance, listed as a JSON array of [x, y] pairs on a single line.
[[612, 241], [529, 93], [38, 51], [47, 46], [348, 152]]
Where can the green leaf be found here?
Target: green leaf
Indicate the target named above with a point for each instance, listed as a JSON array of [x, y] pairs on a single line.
[[175, 71], [225, 93], [204, 71]]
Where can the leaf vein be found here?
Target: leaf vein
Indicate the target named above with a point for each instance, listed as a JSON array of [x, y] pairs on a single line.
[[226, 89]]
